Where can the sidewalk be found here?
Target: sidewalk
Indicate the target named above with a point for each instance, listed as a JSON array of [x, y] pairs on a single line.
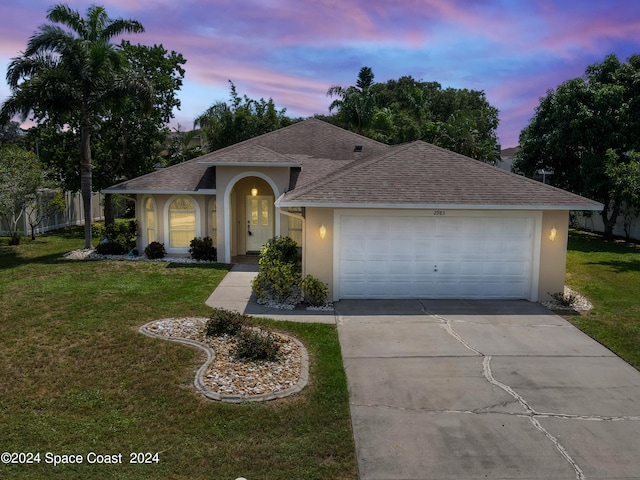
[[234, 293]]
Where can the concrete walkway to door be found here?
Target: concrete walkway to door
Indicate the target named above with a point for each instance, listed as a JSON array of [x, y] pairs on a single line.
[[486, 389]]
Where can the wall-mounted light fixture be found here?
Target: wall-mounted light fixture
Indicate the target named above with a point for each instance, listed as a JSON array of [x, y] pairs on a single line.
[[323, 231], [552, 233], [254, 192]]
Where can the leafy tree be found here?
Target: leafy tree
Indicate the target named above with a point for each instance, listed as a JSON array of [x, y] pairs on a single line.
[[41, 205], [69, 77], [21, 175], [181, 147], [11, 134], [585, 132], [57, 149], [405, 110], [225, 124], [625, 179], [132, 132]]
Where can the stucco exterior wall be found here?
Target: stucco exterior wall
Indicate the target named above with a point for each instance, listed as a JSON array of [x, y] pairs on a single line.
[[553, 253], [162, 202], [317, 251], [549, 256], [233, 184]]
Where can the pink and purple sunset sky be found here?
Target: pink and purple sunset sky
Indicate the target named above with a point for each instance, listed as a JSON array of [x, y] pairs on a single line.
[[294, 50]]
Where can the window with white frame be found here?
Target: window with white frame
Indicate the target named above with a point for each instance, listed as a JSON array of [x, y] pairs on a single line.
[[295, 225], [182, 222], [213, 220], [150, 219]]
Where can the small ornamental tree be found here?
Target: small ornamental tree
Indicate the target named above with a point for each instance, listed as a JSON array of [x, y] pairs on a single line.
[[21, 175], [45, 203]]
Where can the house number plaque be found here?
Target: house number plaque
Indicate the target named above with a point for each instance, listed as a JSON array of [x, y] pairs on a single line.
[[439, 213]]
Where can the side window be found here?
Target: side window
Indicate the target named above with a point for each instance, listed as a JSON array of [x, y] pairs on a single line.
[[295, 226], [150, 219], [182, 222], [213, 219]]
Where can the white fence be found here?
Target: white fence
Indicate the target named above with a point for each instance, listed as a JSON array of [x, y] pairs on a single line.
[[594, 223], [72, 215]]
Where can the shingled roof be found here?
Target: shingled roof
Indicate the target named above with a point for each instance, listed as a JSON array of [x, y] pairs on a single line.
[[421, 175], [184, 177], [333, 172], [316, 146]]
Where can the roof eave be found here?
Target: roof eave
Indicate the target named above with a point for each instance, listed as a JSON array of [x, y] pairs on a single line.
[[250, 164], [158, 192], [438, 206]]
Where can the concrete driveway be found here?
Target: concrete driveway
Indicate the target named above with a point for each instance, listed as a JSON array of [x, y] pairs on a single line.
[[487, 389]]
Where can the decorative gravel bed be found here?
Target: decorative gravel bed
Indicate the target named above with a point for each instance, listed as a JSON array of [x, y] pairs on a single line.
[[91, 254], [224, 377], [581, 303]]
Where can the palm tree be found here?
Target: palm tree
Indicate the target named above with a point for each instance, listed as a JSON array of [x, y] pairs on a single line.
[[355, 104], [70, 77]]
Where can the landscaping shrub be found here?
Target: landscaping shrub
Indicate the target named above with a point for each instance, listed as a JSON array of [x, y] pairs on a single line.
[[155, 250], [314, 292], [280, 250], [567, 300], [117, 238], [257, 344], [225, 322], [278, 283], [203, 249]]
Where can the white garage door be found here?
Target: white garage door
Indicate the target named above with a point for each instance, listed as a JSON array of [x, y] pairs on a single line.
[[435, 257]]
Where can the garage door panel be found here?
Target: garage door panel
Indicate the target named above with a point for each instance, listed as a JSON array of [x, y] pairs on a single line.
[[472, 267], [376, 267], [353, 267], [514, 269], [444, 257], [400, 267]]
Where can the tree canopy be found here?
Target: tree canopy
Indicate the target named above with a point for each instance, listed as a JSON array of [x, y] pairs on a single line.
[[404, 110], [585, 132], [224, 124], [133, 132]]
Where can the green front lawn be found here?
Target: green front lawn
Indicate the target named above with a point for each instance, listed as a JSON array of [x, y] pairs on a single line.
[[608, 274], [77, 377]]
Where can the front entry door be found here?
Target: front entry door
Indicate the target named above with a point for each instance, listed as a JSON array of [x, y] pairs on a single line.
[[259, 226]]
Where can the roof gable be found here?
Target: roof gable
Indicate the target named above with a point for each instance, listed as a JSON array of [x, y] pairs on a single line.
[[317, 139], [247, 154], [318, 147], [419, 175]]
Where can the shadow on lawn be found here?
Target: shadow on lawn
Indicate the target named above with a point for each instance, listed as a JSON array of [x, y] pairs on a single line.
[[10, 258], [588, 242], [620, 266]]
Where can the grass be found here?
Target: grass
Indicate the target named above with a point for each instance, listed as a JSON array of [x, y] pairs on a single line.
[[608, 274], [77, 377]]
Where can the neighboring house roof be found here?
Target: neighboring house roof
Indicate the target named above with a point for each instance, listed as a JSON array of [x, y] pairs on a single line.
[[331, 171], [509, 152]]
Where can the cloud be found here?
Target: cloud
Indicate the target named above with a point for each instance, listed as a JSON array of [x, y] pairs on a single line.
[[293, 51]]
